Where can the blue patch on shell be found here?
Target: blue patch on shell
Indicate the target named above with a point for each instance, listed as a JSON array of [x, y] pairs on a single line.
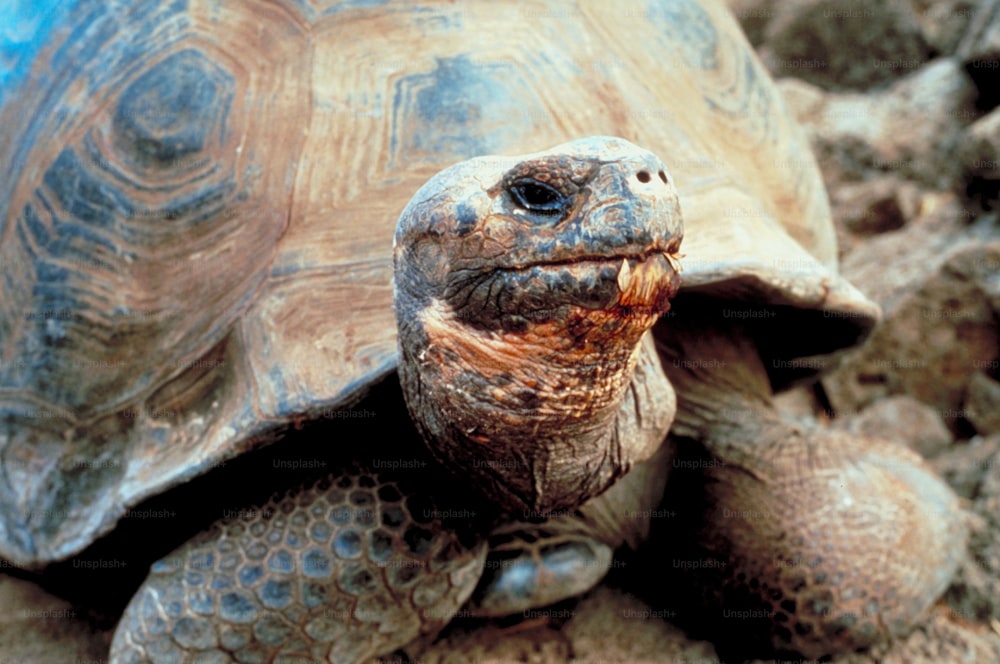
[[696, 30], [459, 110], [174, 110], [27, 28]]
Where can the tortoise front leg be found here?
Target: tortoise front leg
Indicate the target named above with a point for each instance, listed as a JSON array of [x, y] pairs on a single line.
[[814, 540], [531, 565], [338, 571]]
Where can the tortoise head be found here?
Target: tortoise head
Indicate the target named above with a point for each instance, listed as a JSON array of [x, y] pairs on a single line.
[[523, 289]]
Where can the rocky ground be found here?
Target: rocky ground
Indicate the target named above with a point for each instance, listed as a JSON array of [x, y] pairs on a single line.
[[900, 100]]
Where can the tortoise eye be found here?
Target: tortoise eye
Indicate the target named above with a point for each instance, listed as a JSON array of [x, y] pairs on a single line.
[[538, 197]]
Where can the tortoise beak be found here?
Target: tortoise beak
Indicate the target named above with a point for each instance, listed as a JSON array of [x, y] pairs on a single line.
[[649, 283]]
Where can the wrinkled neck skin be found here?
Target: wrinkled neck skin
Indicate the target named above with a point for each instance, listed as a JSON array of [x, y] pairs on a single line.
[[723, 391], [539, 420]]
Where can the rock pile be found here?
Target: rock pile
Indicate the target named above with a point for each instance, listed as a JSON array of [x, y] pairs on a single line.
[[901, 103]]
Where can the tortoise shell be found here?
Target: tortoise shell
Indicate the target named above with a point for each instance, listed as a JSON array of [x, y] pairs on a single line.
[[198, 199]]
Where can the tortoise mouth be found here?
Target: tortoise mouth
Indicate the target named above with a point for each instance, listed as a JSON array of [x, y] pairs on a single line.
[[634, 257], [626, 286], [649, 281], [625, 283]]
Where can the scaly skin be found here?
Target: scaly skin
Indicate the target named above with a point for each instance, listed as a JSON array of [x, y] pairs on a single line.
[[808, 539], [349, 567], [517, 318], [526, 363]]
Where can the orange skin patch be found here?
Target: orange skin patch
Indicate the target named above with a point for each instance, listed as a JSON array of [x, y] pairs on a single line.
[[577, 365]]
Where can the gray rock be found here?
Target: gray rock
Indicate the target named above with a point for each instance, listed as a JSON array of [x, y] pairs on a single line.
[[982, 402], [844, 44], [939, 327], [980, 52], [982, 40], [963, 464], [975, 592], [990, 283], [980, 148], [875, 206], [945, 22], [912, 129], [904, 419]]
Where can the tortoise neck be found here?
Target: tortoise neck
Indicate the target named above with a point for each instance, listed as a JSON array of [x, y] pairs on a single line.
[[721, 382], [538, 429]]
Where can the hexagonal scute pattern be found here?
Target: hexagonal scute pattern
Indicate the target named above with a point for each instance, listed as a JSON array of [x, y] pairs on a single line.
[[344, 569]]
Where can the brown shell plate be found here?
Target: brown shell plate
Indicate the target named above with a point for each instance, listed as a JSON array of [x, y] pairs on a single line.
[[197, 206]]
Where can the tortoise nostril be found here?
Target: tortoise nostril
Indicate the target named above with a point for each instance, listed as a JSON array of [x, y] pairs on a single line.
[[663, 176], [643, 176]]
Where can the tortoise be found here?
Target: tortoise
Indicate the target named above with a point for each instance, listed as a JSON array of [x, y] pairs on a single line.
[[198, 216]]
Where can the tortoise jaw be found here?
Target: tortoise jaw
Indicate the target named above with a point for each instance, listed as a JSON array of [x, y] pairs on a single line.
[[631, 288]]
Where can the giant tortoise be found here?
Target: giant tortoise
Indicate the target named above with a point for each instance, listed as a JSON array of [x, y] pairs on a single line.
[[199, 204]]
